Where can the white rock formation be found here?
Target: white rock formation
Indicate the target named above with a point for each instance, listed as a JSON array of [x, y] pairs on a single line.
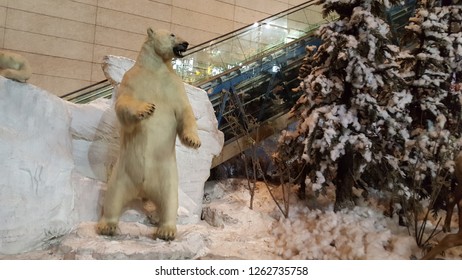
[[94, 130], [56, 156], [36, 195]]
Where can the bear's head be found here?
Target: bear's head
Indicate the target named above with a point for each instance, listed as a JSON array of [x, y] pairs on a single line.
[[166, 44]]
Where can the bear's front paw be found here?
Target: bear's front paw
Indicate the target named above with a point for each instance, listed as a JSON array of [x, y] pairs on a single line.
[[145, 110], [166, 232], [104, 228], [191, 140]]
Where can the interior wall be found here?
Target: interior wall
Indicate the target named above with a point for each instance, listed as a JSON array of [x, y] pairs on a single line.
[[65, 40]]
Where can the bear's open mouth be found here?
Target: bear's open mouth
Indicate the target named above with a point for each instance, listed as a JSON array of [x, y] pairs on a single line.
[[179, 49]]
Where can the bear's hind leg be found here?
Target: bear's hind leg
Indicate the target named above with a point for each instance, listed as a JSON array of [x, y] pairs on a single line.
[[166, 232], [118, 194], [166, 201], [168, 211]]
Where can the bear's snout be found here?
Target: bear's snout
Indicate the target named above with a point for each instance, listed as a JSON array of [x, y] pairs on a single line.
[[179, 48]]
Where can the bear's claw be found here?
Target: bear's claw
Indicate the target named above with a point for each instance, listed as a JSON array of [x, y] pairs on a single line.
[[146, 110], [106, 228], [166, 232], [191, 141]]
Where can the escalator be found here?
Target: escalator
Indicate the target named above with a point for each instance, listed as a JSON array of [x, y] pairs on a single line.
[[252, 69]]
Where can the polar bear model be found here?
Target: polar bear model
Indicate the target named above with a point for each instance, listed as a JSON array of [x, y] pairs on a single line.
[[14, 66], [153, 108]]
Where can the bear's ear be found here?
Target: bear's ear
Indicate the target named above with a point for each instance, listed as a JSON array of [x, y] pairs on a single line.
[[150, 32]]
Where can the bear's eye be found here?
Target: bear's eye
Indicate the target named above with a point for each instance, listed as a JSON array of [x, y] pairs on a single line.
[[172, 35]]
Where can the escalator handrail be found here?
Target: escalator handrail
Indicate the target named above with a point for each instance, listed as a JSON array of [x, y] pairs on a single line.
[[255, 59]]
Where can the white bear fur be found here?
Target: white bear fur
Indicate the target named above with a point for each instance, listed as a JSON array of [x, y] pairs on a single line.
[[14, 66], [152, 108], [193, 165]]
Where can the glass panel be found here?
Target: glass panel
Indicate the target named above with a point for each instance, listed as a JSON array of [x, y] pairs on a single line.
[[244, 45]]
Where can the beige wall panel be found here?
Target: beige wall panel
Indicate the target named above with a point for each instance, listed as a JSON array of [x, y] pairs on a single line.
[[144, 8], [57, 85], [296, 2], [118, 38], [193, 36], [65, 9], [3, 3], [208, 7], [2, 16], [59, 67], [52, 26], [101, 51], [47, 45], [2, 41], [265, 6], [97, 73], [127, 22], [238, 25], [200, 21], [89, 2], [232, 2], [166, 2], [284, 2], [248, 16]]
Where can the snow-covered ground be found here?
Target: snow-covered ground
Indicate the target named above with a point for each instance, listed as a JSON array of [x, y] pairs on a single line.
[[233, 231]]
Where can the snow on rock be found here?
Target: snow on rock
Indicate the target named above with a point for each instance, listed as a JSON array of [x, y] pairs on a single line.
[[88, 194], [95, 138], [36, 164], [194, 165], [133, 242], [114, 67]]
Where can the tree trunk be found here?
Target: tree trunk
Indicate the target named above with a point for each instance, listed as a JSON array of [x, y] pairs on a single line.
[[344, 181], [302, 190]]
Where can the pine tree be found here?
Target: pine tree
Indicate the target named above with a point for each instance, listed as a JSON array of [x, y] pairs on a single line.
[[432, 67], [352, 116]]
